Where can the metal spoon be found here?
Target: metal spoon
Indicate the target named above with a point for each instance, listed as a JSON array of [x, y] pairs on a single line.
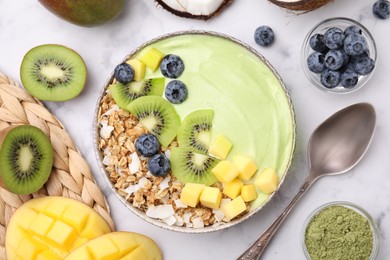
[[335, 147]]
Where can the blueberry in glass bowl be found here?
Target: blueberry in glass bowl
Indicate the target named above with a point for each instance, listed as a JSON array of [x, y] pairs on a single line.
[[339, 55]]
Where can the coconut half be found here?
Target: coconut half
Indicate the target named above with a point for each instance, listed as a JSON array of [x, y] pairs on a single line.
[[301, 5], [196, 9]]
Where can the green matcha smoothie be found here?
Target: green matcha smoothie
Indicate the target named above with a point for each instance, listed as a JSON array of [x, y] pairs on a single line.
[[250, 106]]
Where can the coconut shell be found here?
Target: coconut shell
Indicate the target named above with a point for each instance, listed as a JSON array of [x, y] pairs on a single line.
[[192, 16], [303, 5]]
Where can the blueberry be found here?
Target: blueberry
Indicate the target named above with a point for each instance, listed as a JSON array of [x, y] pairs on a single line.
[[124, 73], [317, 43], [381, 9], [330, 78], [334, 38], [346, 57], [176, 92], [315, 62], [172, 66], [353, 29], [363, 65], [147, 145], [334, 59], [159, 165], [349, 79], [355, 44], [264, 36]]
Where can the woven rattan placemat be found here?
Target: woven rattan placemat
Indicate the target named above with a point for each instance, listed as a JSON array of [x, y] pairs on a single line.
[[71, 176]]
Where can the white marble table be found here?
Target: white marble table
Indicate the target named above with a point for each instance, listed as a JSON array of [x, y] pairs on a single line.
[[25, 24]]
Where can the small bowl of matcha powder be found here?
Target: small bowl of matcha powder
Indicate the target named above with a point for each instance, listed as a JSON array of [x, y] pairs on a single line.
[[340, 231]]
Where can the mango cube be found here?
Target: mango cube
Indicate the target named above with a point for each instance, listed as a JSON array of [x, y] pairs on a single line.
[[225, 171], [211, 197], [245, 165], [267, 181], [233, 189], [139, 69], [234, 208], [190, 194], [220, 147], [248, 192], [152, 58], [62, 234]]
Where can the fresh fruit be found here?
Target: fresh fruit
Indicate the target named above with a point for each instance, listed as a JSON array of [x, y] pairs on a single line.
[[195, 131], [172, 66], [316, 62], [190, 194], [301, 5], [355, 44], [190, 167], [225, 172], [353, 29], [159, 165], [234, 208], [233, 188], [330, 78], [125, 94], [248, 192], [51, 227], [53, 72], [152, 58], [211, 197], [363, 65], [139, 69], [334, 38], [264, 36], [158, 116], [87, 12], [267, 181], [334, 59], [124, 73], [245, 165], [317, 43], [147, 145], [381, 9], [349, 79], [346, 57], [176, 92], [220, 147], [26, 158], [118, 245]]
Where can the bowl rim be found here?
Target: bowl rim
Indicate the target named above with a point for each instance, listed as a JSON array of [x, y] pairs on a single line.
[[142, 214], [356, 208], [306, 45]]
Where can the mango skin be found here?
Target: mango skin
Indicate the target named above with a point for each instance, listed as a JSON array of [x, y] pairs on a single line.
[[86, 13]]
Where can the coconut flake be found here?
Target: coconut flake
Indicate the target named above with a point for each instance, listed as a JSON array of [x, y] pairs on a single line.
[[168, 154], [106, 130], [186, 217], [165, 183], [160, 212], [143, 182], [106, 160], [189, 225], [111, 110], [179, 204], [179, 221], [198, 223], [170, 220], [107, 151], [135, 163], [218, 214]]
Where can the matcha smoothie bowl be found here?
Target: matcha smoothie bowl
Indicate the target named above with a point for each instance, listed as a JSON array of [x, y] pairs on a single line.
[[194, 131]]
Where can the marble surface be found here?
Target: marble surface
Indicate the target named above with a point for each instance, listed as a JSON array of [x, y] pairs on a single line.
[[25, 24]]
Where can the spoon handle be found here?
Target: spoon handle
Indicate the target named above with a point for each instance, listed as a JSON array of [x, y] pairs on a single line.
[[258, 247]]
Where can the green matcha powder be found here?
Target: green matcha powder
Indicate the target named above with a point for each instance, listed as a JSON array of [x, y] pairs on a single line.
[[339, 233]]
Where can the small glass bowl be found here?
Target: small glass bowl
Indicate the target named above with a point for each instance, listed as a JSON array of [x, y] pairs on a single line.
[[358, 209], [321, 28]]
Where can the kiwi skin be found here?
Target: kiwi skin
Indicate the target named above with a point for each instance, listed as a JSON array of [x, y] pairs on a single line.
[[41, 143]]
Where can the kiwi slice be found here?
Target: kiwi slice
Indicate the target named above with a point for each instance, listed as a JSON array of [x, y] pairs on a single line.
[[26, 159], [195, 131], [188, 166], [53, 72], [158, 116], [125, 94]]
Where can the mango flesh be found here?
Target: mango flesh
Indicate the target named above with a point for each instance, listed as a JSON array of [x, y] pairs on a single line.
[[211, 197], [87, 12], [267, 181], [220, 147], [190, 194], [233, 188], [51, 227], [225, 171]]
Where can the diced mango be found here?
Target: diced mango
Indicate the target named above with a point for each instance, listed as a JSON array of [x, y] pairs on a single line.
[[190, 194], [139, 69], [48, 255], [211, 197], [267, 181], [118, 245], [245, 165], [41, 224], [152, 58], [233, 189], [220, 147], [234, 208], [248, 192], [225, 171], [62, 234]]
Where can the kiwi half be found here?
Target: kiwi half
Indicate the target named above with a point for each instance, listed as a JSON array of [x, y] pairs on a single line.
[[195, 131], [53, 72], [125, 94], [26, 159], [158, 116], [188, 166]]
